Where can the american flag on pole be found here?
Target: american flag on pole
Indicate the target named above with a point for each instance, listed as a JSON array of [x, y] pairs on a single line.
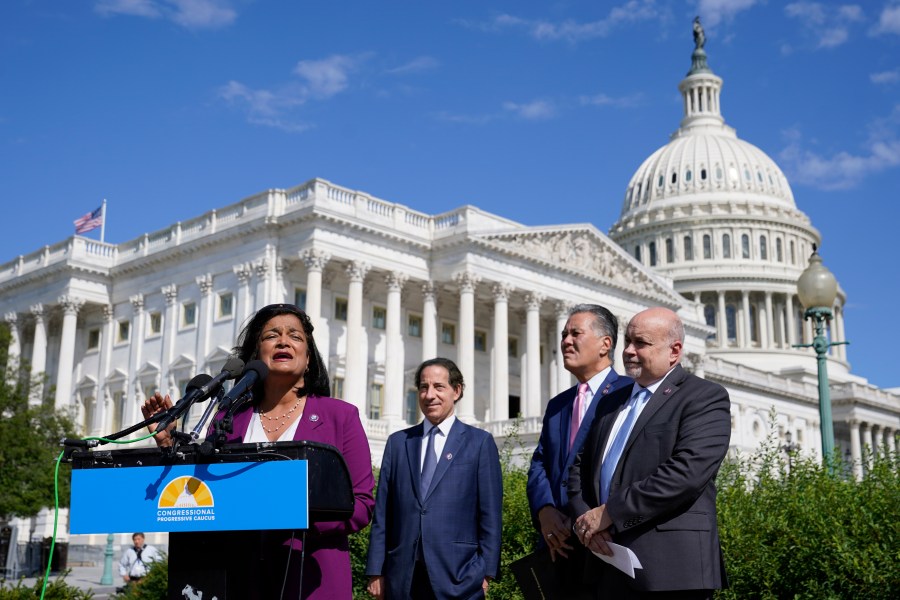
[[91, 220]]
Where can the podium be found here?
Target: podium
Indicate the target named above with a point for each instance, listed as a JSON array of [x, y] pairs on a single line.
[[238, 505]]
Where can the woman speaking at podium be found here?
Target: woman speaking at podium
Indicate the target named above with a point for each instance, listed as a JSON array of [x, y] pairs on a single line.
[[293, 403]]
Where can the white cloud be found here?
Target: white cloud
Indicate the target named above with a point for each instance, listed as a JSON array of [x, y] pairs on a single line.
[[532, 111], [278, 107], [713, 12], [417, 65], [844, 170], [465, 119], [828, 25], [605, 100], [326, 77], [889, 20], [191, 14], [571, 30], [885, 77]]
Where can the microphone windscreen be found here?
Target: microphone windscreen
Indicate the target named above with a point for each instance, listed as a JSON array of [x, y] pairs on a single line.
[[234, 367], [198, 382], [259, 366]]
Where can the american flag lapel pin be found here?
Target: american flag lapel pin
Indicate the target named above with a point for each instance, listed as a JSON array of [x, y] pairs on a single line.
[[606, 389], [449, 455]]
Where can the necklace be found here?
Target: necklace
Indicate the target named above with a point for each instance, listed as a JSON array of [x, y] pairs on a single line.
[[281, 421]]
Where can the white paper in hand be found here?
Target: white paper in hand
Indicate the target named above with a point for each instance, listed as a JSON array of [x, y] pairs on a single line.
[[623, 559]]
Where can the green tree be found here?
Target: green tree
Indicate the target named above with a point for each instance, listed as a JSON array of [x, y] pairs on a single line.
[[29, 446]]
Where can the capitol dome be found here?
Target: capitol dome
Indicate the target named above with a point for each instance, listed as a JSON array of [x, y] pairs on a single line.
[[717, 215]]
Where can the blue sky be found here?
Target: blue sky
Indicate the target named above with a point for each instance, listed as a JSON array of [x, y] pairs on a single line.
[[537, 111]]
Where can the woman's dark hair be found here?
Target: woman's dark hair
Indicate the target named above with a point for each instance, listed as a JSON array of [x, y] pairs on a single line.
[[315, 380]]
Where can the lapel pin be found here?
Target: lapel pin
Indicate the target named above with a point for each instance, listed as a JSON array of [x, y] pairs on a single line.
[[449, 455], [667, 391], [313, 417], [606, 389]]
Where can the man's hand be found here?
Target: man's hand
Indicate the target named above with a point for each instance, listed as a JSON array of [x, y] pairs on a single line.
[[376, 586], [484, 585], [555, 529], [592, 529]]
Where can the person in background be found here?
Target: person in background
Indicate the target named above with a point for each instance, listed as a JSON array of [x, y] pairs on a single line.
[[136, 561]]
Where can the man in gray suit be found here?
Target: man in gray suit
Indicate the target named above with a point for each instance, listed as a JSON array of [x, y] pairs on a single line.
[[645, 478]]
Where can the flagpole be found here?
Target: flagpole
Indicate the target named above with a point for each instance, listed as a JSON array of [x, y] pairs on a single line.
[[103, 221]]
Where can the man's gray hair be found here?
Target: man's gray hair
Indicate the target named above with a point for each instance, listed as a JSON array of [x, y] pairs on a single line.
[[604, 322]]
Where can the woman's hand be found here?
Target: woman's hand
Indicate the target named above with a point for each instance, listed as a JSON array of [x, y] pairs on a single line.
[[154, 405]]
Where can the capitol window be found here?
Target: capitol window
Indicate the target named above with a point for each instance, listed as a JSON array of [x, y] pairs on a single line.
[[779, 254], [448, 333], [340, 309], [93, 341], [379, 317], [688, 248], [188, 314], [155, 324], [662, 180], [300, 298], [670, 251], [414, 326], [745, 246], [637, 253], [726, 245], [763, 248], [674, 178], [707, 246], [123, 331], [702, 174], [480, 340], [226, 305], [731, 323], [687, 175], [652, 249]]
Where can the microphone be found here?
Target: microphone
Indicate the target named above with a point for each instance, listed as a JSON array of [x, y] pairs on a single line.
[[256, 370], [199, 389]]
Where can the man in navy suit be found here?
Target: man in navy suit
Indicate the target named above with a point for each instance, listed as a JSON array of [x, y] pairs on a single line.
[[587, 347], [645, 478], [437, 523]]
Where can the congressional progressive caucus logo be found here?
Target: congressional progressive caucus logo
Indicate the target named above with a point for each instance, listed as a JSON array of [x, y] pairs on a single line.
[[186, 498]]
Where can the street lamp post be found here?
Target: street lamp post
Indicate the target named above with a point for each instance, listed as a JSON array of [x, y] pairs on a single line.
[[789, 448], [817, 289], [107, 577]]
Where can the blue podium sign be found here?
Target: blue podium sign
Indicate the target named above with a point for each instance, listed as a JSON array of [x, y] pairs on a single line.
[[212, 497]]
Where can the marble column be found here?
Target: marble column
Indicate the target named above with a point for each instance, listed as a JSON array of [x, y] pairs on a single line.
[[70, 305], [533, 350], [563, 377], [394, 353], [500, 396], [837, 331], [465, 408], [868, 444], [747, 338], [769, 340], [170, 332], [315, 261], [789, 314], [136, 347], [429, 321], [722, 322], [855, 448], [204, 321], [262, 269], [103, 415], [15, 346], [244, 308], [357, 346], [38, 355]]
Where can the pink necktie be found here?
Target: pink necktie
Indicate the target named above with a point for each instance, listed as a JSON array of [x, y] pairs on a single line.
[[577, 409]]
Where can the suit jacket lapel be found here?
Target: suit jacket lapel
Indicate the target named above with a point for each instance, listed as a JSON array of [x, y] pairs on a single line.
[[453, 445], [312, 418], [414, 457], [607, 419], [599, 395]]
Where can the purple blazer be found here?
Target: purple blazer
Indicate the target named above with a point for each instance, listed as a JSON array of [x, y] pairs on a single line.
[[326, 572]]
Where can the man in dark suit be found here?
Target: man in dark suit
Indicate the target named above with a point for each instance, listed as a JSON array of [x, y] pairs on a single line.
[[437, 523], [645, 478], [587, 346]]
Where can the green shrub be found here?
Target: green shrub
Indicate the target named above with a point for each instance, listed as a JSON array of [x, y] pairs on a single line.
[[154, 586], [57, 589], [796, 529]]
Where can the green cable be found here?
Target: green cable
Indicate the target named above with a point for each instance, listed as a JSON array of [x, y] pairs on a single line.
[[56, 500]]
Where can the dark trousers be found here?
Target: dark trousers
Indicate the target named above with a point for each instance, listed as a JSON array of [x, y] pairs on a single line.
[[421, 584]]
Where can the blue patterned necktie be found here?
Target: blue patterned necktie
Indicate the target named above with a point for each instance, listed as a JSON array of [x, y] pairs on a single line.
[[429, 465], [615, 450]]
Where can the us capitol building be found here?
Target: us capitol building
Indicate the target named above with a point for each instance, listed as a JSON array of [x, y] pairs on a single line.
[[708, 228]]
